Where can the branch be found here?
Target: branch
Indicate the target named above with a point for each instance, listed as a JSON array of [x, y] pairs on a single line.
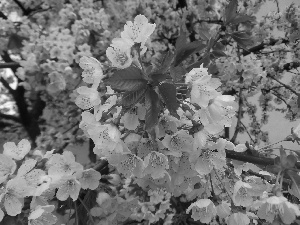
[[261, 46], [10, 65], [239, 117], [25, 11], [10, 117], [247, 132], [3, 16], [283, 84], [7, 86], [263, 161]]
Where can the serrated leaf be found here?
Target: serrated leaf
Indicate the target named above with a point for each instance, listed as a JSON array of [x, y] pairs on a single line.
[[274, 169], [152, 105], [204, 34], [218, 47], [133, 97], [296, 182], [129, 79], [177, 72], [184, 49], [166, 62], [205, 61], [243, 38], [168, 93], [187, 50], [291, 161], [218, 54], [157, 77], [230, 11], [298, 101], [242, 18]]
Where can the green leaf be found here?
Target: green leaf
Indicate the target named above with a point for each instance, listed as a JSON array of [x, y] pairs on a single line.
[[298, 101], [218, 54], [187, 50], [296, 182], [184, 49], [129, 79], [152, 105], [204, 34], [230, 11], [131, 98], [283, 157], [166, 62], [291, 161], [243, 18], [243, 38], [205, 61], [168, 93], [177, 72]]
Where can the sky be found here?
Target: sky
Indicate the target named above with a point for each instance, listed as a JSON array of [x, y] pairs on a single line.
[[278, 126]]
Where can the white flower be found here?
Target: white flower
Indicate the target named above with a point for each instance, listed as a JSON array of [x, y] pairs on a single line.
[[218, 113], [42, 215], [68, 186], [156, 164], [272, 206], [92, 73], [87, 98], [131, 165], [17, 152], [138, 31], [203, 86], [203, 210], [89, 178], [60, 165], [7, 167], [179, 142], [120, 53]]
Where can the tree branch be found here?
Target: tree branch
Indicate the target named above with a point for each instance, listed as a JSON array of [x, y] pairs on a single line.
[[7, 86], [10, 65], [24, 10], [261, 46], [239, 116], [283, 84], [10, 117], [3, 16]]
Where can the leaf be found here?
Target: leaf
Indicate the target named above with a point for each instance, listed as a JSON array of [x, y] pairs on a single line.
[[205, 61], [218, 54], [130, 98], [230, 11], [166, 62], [204, 34], [168, 93], [298, 101], [129, 79], [291, 161], [184, 49], [187, 50], [283, 157], [177, 72], [152, 105], [296, 182], [242, 18], [243, 38]]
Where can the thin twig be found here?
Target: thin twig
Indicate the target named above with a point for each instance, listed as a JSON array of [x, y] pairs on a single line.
[[247, 132], [283, 84]]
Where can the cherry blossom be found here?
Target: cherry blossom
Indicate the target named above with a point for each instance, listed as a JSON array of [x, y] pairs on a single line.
[[203, 210], [17, 152], [120, 53]]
